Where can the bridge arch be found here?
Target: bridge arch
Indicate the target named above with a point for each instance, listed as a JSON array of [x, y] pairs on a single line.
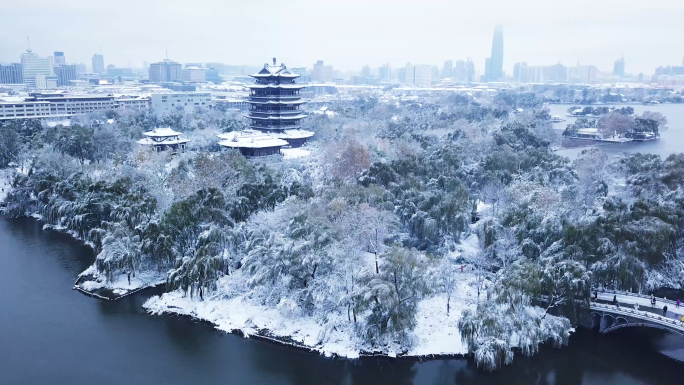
[[642, 324]]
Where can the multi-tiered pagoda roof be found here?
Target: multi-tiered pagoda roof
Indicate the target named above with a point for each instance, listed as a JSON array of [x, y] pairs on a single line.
[[275, 101], [274, 114]]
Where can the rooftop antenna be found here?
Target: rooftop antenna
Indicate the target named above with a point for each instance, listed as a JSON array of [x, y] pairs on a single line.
[[28, 43], [167, 53], [274, 61]]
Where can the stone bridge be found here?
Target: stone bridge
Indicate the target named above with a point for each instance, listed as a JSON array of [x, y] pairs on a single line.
[[607, 317]]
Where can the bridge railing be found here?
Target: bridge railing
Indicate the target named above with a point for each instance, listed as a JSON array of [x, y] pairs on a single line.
[[651, 317], [626, 293]]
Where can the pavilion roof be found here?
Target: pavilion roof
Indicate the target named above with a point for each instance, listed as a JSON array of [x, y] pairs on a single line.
[[162, 132], [250, 139]]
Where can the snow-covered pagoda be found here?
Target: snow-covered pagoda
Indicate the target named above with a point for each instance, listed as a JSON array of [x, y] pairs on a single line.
[[274, 111], [164, 139]]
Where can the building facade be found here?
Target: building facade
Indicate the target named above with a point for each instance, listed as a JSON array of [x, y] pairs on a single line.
[[164, 139], [11, 74], [59, 59], [385, 73], [459, 71], [165, 71], [194, 75], [65, 74], [98, 64], [321, 73], [165, 103], [448, 69], [33, 66], [422, 75], [619, 67], [496, 59]]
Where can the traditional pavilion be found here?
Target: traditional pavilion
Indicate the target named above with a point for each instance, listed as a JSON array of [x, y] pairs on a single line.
[[164, 139], [252, 143], [274, 111]]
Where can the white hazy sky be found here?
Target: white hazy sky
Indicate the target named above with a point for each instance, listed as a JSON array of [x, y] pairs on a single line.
[[348, 34]]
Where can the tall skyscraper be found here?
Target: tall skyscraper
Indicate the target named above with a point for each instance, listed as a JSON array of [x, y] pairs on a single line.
[[11, 74], [33, 67], [496, 62], [619, 67], [459, 72], [98, 64], [385, 73], [65, 73], [59, 58], [165, 71], [447, 70]]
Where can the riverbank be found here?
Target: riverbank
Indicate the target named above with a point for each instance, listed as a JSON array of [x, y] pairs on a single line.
[[435, 334]]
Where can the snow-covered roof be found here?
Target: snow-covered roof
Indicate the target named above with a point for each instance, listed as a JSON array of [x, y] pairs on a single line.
[[148, 141], [278, 102], [277, 86], [275, 71], [250, 139], [293, 134], [587, 131], [162, 132]]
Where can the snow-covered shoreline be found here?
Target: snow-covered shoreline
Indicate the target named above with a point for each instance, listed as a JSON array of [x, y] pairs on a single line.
[[435, 334]]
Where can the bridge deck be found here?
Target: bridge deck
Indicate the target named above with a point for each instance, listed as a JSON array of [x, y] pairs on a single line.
[[629, 299], [645, 316]]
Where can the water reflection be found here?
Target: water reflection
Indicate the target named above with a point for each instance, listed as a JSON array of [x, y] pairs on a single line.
[[50, 333]]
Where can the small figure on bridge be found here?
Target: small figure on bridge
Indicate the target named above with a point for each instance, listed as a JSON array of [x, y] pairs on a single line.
[[595, 295], [615, 300], [665, 310], [678, 303], [129, 278], [682, 320], [653, 300]]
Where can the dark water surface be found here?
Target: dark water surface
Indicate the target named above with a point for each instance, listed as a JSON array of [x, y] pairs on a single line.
[[51, 334]]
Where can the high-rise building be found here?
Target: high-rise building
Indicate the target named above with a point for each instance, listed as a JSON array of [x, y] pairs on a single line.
[[65, 73], [385, 73], [459, 72], [557, 73], [33, 66], [496, 63], [447, 70], [470, 71], [59, 59], [11, 74], [409, 73], [422, 75], [435, 72], [488, 69], [212, 75], [582, 74], [321, 73], [98, 64], [521, 73], [365, 71], [401, 75], [165, 71], [619, 67]]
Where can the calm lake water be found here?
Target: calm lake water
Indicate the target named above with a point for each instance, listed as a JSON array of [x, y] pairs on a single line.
[[671, 140], [51, 334]]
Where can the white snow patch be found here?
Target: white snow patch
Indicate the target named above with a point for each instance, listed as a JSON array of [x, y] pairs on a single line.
[[293, 153]]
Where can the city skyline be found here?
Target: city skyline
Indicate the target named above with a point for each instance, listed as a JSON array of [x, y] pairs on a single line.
[[437, 33]]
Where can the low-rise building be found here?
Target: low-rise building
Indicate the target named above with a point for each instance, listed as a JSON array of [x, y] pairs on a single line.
[[232, 104], [10, 110], [164, 103], [138, 103], [164, 139]]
